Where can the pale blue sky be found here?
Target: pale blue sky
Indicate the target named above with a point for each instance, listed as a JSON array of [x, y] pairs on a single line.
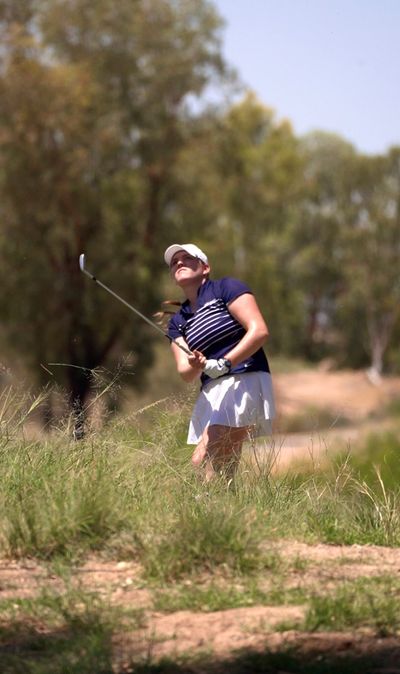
[[323, 64]]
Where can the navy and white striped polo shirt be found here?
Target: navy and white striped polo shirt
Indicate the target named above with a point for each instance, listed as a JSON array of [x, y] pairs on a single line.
[[212, 329]]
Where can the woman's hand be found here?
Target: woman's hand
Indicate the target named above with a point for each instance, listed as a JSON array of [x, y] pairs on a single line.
[[189, 367], [197, 360]]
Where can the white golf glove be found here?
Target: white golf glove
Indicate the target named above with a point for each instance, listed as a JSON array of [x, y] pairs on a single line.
[[216, 368]]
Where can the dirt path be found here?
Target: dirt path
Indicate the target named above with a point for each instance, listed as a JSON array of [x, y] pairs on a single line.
[[219, 633], [346, 394], [353, 406]]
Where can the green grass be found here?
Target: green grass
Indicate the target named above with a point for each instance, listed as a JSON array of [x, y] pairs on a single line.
[[200, 539], [392, 409], [128, 492], [366, 602], [59, 633], [72, 631], [214, 597], [380, 451]]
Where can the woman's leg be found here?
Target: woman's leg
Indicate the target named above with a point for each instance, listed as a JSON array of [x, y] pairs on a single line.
[[219, 451]]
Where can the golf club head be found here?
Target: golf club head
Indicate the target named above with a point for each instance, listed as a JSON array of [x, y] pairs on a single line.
[[82, 261]]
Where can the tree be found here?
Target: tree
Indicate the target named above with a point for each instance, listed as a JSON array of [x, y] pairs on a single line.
[[92, 116], [371, 259], [239, 180], [315, 237]]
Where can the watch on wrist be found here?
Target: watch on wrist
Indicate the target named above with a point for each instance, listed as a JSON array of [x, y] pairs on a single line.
[[225, 362]]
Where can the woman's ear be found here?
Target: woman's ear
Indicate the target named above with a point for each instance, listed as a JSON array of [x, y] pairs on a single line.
[[206, 270]]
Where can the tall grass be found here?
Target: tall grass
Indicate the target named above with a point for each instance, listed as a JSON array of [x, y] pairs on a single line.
[[381, 451], [128, 490]]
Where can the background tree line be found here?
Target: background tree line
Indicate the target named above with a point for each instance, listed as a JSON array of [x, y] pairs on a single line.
[[106, 148]]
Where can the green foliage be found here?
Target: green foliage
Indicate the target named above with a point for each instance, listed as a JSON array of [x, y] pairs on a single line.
[[343, 509], [92, 118], [370, 245], [57, 499], [231, 592], [102, 151], [314, 237], [240, 180]]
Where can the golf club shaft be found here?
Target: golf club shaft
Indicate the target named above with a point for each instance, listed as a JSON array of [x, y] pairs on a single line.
[[154, 325]]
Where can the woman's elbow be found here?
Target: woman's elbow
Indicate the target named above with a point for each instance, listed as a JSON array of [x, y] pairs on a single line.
[[187, 375], [262, 334]]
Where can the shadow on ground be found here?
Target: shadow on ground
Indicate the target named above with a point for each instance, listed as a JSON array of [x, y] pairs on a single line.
[[320, 655], [32, 652]]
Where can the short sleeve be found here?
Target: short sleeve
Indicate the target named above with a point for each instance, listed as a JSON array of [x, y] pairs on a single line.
[[173, 327], [231, 288]]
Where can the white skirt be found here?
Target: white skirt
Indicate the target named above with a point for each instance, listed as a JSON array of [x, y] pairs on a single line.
[[238, 400]]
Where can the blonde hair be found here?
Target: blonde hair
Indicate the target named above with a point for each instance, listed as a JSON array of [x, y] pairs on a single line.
[[162, 317]]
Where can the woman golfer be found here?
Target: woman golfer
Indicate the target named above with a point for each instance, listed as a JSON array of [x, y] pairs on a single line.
[[222, 325]]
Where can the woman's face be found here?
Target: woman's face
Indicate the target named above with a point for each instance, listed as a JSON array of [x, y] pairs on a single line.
[[185, 268]]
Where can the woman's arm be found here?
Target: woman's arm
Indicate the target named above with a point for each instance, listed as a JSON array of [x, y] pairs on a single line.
[[245, 309], [189, 367]]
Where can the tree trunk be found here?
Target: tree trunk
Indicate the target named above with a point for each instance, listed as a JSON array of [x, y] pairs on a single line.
[[379, 331], [80, 382]]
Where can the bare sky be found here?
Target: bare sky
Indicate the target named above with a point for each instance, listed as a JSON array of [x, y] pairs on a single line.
[[324, 64]]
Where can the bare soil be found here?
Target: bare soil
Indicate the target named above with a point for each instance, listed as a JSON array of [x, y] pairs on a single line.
[[353, 406], [345, 393], [221, 636]]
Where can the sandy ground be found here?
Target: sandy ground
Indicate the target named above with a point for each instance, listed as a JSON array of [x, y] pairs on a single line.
[[221, 634], [354, 404], [344, 393]]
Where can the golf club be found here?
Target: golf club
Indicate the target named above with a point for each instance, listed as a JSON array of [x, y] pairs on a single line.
[[157, 327]]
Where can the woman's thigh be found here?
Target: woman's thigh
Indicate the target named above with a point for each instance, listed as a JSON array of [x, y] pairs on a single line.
[[219, 441], [225, 436]]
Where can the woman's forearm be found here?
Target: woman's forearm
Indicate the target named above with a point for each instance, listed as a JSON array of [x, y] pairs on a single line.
[[188, 367], [253, 340], [188, 373]]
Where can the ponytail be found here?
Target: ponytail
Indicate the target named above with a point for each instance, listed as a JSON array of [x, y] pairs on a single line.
[[162, 317]]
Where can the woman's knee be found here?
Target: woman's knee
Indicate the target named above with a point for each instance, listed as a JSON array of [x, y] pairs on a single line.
[[199, 455], [210, 446]]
